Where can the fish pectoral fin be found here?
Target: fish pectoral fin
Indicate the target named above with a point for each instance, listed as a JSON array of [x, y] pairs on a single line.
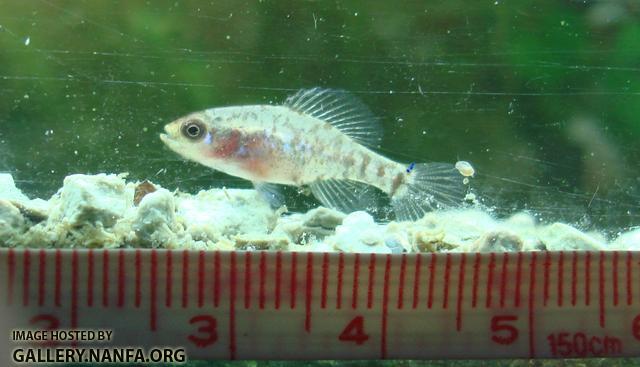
[[342, 110], [272, 193], [344, 195]]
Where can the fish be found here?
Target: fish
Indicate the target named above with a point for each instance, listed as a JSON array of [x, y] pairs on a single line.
[[320, 138]]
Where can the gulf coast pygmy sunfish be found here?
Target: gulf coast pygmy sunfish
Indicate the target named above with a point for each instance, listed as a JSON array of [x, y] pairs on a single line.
[[320, 138]]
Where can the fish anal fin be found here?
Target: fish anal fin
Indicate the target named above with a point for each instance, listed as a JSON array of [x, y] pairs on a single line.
[[344, 195]]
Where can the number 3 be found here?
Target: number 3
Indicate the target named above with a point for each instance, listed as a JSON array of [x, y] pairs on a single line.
[[209, 328]]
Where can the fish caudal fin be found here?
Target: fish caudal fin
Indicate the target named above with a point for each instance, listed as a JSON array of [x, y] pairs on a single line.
[[429, 186]]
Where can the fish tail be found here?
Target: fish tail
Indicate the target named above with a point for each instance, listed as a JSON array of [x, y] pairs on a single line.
[[427, 187]]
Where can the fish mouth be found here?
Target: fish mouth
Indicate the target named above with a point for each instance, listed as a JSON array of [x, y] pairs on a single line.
[[168, 137]]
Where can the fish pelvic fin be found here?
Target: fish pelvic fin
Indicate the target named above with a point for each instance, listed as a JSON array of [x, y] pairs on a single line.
[[272, 193], [428, 187]]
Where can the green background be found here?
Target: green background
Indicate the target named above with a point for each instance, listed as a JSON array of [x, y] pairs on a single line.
[[541, 96]]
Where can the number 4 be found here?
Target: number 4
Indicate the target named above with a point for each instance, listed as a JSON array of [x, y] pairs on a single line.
[[354, 331]]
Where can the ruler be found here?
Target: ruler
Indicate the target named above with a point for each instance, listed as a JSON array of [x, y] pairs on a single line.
[[297, 305]]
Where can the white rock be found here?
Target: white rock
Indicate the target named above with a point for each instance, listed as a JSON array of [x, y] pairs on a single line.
[[155, 221], [312, 226], [359, 233], [12, 224], [627, 241], [562, 237], [500, 241], [85, 199], [224, 213], [8, 189], [523, 225]]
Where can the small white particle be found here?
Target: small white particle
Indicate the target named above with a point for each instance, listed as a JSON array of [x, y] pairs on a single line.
[[26, 96], [228, 37], [465, 168], [27, 41], [75, 152], [424, 132]]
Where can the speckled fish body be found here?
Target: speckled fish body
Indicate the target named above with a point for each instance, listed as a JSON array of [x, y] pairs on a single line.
[[320, 138], [278, 145]]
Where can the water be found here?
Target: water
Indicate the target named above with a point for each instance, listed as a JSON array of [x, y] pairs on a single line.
[[542, 99]]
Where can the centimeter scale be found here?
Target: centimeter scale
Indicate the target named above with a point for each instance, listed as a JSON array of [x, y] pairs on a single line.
[[298, 305]]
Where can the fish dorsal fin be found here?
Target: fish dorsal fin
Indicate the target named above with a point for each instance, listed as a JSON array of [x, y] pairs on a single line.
[[340, 109]]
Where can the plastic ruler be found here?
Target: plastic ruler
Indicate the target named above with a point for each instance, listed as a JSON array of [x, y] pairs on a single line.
[[298, 305]]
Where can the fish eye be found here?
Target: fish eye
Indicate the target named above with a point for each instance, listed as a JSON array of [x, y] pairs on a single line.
[[193, 129]]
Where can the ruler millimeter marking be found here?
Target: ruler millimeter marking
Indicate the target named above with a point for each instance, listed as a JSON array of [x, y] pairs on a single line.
[[290, 305]]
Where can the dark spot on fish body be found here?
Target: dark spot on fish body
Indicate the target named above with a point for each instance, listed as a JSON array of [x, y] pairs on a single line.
[[217, 119], [381, 170], [349, 161], [397, 181], [365, 163]]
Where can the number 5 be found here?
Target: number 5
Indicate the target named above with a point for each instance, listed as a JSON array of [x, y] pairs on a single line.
[[500, 325]]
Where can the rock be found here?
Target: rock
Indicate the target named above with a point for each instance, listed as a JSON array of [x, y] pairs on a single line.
[[462, 227], [142, 189], [310, 227], [224, 213], [261, 242], [155, 221], [100, 211], [629, 241], [359, 233], [324, 218], [8, 189], [12, 224], [562, 237], [91, 200], [500, 241]]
